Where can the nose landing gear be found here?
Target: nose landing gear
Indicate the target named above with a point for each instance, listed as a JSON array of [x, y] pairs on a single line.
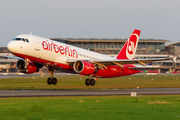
[[51, 80]]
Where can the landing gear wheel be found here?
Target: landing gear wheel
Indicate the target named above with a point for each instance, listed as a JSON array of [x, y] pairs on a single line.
[[92, 82], [87, 82], [54, 81], [25, 70], [49, 81]]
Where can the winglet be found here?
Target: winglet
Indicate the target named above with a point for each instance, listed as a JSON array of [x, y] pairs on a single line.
[[129, 49]]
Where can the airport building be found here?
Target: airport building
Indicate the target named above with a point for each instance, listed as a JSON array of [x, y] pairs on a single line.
[[173, 49], [147, 48]]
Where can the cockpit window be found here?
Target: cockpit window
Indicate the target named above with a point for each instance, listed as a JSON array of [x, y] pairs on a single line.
[[21, 39]]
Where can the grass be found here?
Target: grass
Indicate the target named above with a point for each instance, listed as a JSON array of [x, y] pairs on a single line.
[[91, 107], [77, 82]]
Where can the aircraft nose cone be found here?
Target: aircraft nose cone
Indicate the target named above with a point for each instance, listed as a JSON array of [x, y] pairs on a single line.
[[10, 47]]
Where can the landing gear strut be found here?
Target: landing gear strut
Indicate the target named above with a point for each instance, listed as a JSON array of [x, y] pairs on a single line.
[[26, 63], [90, 81], [51, 80]]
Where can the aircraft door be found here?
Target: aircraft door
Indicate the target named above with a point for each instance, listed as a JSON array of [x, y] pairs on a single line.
[[37, 51], [37, 44]]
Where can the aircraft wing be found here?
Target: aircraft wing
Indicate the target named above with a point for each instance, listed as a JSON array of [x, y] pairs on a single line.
[[133, 61], [121, 62]]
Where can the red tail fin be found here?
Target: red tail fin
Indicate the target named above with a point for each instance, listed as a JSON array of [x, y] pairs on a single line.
[[129, 49]]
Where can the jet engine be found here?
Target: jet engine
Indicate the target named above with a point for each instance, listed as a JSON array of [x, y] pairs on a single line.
[[83, 67], [31, 67]]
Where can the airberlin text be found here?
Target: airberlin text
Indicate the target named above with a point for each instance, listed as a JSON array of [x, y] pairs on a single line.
[[59, 49]]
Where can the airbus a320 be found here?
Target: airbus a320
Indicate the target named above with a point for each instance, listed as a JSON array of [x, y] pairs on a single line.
[[34, 52]]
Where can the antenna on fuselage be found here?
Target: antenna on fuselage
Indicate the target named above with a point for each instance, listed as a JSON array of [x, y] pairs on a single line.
[[31, 33]]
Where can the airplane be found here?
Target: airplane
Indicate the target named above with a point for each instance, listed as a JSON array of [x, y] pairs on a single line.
[[34, 52]]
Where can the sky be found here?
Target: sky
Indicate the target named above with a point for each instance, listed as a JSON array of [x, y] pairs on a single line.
[[157, 19]]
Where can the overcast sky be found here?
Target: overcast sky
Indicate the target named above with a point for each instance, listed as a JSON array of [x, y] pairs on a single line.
[[157, 19]]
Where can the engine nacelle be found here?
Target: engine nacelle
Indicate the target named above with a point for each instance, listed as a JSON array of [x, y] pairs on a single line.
[[83, 67], [31, 67]]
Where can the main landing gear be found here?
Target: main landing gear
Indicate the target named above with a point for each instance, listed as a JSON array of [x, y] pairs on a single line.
[[26, 63], [51, 80], [90, 81]]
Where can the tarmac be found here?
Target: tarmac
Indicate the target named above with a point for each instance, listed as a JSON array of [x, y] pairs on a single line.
[[94, 92]]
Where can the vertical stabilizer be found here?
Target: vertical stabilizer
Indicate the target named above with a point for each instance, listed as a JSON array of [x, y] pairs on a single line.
[[129, 49]]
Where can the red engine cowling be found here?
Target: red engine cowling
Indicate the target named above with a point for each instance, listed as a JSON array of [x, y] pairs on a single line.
[[31, 68], [83, 67]]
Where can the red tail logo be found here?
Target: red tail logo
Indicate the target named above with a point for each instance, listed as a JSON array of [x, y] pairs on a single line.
[[129, 49]]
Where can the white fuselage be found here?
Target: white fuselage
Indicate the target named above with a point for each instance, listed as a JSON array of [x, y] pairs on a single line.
[[50, 51]]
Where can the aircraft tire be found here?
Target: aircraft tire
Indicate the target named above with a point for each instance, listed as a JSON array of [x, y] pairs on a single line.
[[87, 82], [25, 70], [49, 81], [92, 82], [54, 81]]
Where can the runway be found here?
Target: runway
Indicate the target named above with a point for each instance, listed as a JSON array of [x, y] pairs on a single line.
[[41, 93]]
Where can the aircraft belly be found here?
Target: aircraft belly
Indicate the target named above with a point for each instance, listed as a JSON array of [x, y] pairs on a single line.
[[114, 71]]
